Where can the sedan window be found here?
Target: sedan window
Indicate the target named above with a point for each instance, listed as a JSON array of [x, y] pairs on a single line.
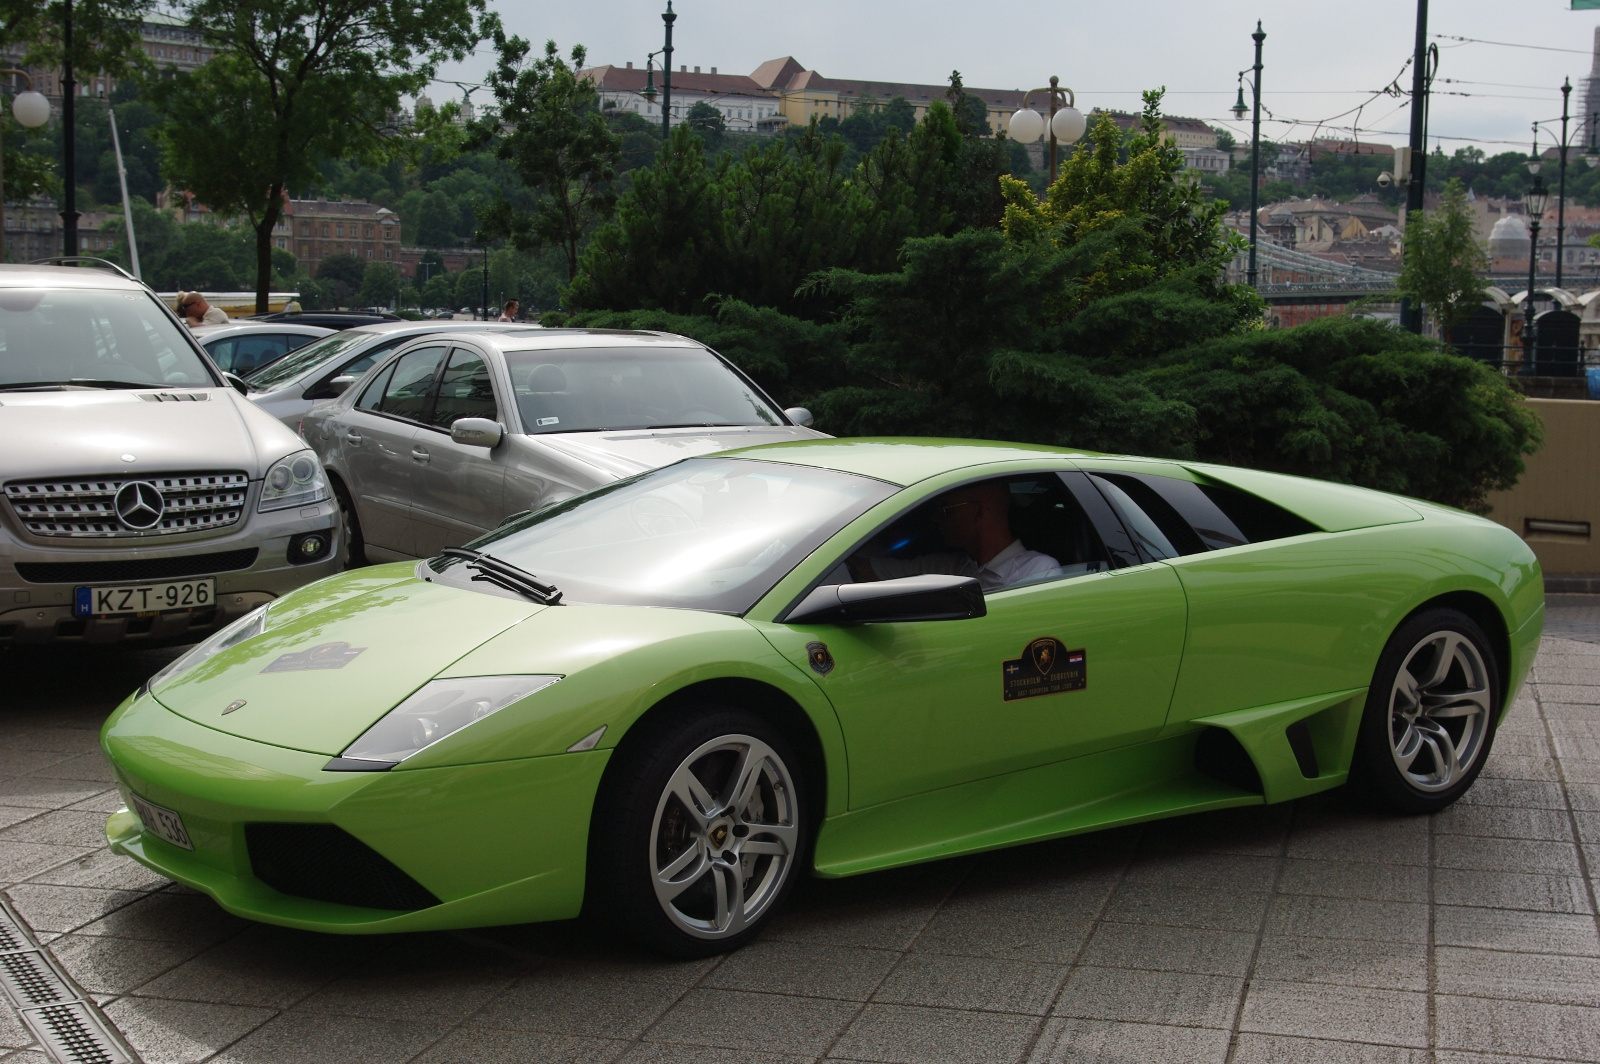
[[464, 391], [588, 390], [411, 384], [307, 358], [707, 533]]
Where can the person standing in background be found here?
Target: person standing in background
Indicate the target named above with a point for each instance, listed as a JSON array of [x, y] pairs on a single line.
[[509, 311], [194, 310]]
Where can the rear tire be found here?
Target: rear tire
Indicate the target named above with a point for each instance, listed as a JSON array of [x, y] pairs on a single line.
[[698, 833], [355, 548], [1430, 715]]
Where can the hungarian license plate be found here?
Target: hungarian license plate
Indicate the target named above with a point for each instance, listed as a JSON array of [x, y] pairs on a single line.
[[143, 598], [164, 824]]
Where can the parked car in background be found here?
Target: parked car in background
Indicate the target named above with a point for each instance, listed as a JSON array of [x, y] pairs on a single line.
[[242, 347], [329, 319], [145, 499], [453, 433], [322, 370]]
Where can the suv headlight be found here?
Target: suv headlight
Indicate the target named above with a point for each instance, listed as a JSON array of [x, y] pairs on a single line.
[[437, 709], [246, 627], [294, 481]]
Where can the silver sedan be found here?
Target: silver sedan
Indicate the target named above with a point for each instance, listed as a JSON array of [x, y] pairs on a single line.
[[450, 435], [322, 369]]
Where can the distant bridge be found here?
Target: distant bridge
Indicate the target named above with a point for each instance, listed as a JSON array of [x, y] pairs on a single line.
[[1294, 277]]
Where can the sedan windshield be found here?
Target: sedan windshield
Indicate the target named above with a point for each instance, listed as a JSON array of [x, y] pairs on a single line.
[[305, 359], [587, 390], [95, 338], [708, 534]]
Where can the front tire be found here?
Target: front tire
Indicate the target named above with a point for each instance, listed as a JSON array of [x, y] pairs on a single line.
[[1430, 713], [698, 833], [355, 548]]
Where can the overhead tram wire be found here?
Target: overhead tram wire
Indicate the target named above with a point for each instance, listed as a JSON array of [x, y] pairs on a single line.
[[1508, 44]]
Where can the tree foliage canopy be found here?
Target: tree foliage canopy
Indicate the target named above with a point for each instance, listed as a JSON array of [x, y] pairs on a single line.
[[1444, 264]]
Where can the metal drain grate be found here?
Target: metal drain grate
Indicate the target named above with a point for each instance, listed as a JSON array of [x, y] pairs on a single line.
[[67, 1025]]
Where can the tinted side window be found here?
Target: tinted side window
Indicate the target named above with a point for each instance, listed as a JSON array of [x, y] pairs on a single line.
[[1152, 539], [1192, 518], [1257, 518], [374, 393], [411, 384], [464, 390]]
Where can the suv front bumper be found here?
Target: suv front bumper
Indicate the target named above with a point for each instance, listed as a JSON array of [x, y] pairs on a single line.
[[38, 608]]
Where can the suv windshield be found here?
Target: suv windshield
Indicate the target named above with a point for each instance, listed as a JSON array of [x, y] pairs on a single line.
[[589, 389], [306, 358], [105, 337], [707, 534]]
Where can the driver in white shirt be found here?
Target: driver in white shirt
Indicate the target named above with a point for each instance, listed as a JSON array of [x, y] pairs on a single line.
[[975, 519]]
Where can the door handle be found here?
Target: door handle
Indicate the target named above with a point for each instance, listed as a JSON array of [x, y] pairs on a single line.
[[352, 438], [419, 453]]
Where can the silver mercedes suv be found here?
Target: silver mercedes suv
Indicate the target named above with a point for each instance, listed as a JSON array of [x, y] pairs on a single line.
[[145, 498]]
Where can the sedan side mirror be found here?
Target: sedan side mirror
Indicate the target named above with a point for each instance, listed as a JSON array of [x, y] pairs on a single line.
[[799, 415], [339, 385], [476, 432], [236, 382], [910, 598]]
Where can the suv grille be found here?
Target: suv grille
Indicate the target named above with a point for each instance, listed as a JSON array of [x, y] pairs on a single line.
[[137, 568], [87, 507], [327, 863]]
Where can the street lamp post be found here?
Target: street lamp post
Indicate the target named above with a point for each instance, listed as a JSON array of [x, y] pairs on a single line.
[[1561, 194], [1255, 144], [69, 129], [666, 73], [1066, 122], [32, 110], [1535, 200]]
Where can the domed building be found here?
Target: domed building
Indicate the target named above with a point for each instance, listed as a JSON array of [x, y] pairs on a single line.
[[1509, 239]]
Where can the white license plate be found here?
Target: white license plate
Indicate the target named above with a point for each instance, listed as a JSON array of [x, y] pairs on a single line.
[[143, 598], [164, 824]]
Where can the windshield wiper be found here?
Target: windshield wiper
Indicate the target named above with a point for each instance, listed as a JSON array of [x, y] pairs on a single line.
[[76, 382], [503, 574]]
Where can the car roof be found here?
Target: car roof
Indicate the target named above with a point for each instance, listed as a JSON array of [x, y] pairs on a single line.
[[209, 331], [572, 339], [28, 276], [388, 328], [901, 460]]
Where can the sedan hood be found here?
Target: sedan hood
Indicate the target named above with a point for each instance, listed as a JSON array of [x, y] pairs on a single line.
[[337, 656], [73, 433], [624, 453]]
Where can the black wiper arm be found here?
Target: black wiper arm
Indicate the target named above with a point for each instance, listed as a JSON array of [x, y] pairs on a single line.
[[76, 382], [498, 571]]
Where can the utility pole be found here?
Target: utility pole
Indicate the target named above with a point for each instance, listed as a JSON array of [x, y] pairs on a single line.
[[69, 129], [1255, 154], [1410, 316], [1561, 191], [666, 74]]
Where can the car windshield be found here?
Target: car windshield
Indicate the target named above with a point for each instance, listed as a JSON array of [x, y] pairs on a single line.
[[707, 533], [306, 358], [95, 338], [590, 389]]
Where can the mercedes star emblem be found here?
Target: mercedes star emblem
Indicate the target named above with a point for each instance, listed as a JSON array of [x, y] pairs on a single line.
[[139, 504], [129, 458]]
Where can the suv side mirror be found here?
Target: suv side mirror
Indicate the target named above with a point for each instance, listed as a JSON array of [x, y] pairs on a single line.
[[236, 382], [909, 598], [799, 415], [476, 432]]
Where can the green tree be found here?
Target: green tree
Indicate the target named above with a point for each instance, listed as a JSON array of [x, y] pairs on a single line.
[[343, 275], [551, 131], [708, 121], [295, 82], [380, 285], [1444, 264], [437, 220], [439, 291]]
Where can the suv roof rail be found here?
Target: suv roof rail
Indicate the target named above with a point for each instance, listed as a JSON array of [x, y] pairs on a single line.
[[74, 260]]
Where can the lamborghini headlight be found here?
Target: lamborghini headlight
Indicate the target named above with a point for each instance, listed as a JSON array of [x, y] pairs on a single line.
[[245, 627], [437, 709], [294, 481]]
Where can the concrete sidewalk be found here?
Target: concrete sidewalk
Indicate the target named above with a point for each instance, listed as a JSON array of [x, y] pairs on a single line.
[[1310, 932]]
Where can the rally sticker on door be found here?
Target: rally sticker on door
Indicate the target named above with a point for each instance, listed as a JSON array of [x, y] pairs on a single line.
[[1046, 667]]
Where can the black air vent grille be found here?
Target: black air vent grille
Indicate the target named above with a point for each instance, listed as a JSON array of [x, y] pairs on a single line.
[[324, 862], [137, 569]]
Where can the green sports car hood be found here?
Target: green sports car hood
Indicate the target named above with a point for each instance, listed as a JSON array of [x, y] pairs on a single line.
[[337, 655]]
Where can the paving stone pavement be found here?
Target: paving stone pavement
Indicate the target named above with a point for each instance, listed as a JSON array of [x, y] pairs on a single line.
[[1312, 932]]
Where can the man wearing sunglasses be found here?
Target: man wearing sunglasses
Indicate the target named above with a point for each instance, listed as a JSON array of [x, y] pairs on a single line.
[[976, 520]]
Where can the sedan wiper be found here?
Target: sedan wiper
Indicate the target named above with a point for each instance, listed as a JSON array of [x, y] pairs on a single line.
[[75, 382], [503, 574]]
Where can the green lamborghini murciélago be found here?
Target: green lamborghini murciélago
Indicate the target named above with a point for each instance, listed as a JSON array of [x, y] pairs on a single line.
[[663, 701]]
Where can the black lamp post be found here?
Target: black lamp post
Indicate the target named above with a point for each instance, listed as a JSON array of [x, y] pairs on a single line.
[[666, 73], [1535, 200], [1255, 143], [1561, 200], [69, 156]]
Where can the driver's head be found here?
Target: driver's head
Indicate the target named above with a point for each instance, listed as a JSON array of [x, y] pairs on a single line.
[[193, 305], [974, 517]]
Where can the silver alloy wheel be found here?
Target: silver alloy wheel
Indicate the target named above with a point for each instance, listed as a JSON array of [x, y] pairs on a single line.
[[1439, 711], [723, 840]]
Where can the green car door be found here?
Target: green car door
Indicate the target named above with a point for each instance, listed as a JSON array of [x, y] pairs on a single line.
[[1082, 660]]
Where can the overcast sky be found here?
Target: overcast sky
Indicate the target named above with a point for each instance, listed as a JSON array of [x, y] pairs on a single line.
[[1320, 58]]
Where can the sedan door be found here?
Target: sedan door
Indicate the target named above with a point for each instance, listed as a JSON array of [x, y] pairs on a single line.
[[458, 491], [1080, 662], [377, 436]]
